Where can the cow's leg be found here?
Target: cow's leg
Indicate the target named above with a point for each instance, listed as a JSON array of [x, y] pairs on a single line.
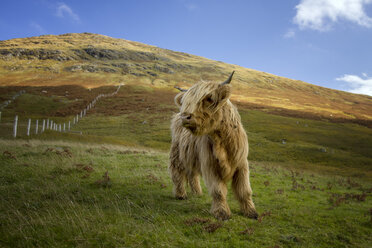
[[220, 209], [179, 179], [218, 190], [243, 192], [194, 182], [177, 173]]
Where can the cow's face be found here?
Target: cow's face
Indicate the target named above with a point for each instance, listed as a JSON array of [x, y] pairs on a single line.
[[200, 106]]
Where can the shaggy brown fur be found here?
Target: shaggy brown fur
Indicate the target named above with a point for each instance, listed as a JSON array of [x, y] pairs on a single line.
[[208, 139]]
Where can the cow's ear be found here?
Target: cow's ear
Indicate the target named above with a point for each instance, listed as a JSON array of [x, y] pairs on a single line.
[[223, 92], [178, 99]]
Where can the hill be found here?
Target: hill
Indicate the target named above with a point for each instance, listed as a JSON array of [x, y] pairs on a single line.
[[92, 60], [104, 183], [62, 74]]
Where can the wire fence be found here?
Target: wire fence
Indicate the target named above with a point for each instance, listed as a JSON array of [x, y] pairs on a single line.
[[7, 102], [20, 127]]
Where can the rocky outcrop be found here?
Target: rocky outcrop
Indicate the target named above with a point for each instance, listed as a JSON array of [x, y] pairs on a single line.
[[122, 54], [42, 54], [80, 54], [13, 68], [163, 69], [89, 68], [123, 66]]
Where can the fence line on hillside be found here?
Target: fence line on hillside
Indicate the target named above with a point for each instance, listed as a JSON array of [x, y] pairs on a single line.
[[51, 125], [7, 102], [13, 98]]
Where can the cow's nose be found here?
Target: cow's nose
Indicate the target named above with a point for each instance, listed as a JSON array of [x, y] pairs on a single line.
[[186, 116]]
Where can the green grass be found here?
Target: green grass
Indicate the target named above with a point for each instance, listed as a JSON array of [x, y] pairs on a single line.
[[335, 148], [35, 105], [313, 190], [48, 199], [135, 129]]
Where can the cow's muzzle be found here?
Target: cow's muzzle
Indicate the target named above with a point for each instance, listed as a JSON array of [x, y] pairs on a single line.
[[188, 121]]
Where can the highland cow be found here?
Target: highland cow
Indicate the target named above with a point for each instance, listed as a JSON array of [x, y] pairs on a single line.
[[208, 139]]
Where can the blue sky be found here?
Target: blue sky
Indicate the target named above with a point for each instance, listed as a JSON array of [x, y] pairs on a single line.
[[323, 42]]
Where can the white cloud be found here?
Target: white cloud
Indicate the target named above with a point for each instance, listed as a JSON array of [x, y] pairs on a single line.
[[321, 14], [38, 28], [290, 34], [357, 84], [63, 10]]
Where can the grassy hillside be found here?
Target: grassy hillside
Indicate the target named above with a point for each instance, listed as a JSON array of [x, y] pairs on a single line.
[[109, 187], [59, 194], [91, 60], [140, 117]]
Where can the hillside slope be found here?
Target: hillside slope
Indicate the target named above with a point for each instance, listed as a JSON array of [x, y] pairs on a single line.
[[92, 60]]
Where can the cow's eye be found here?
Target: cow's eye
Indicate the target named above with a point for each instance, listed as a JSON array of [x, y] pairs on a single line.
[[209, 99]]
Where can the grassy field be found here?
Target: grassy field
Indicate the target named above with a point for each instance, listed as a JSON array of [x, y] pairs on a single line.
[[140, 117], [67, 194], [311, 178]]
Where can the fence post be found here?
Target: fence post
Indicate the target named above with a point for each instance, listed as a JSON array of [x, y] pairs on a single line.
[[69, 125], [28, 127], [37, 127], [43, 128], [60, 128], [51, 124], [77, 118], [81, 114], [64, 127], [15, 126], [47, 126]]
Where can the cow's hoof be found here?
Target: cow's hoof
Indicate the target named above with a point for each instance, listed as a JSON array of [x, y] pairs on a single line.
[[251, 214], [221, 214], [181, 197]]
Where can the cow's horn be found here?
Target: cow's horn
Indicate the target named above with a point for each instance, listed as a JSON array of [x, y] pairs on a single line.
[[229, 79], [180, 89]]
